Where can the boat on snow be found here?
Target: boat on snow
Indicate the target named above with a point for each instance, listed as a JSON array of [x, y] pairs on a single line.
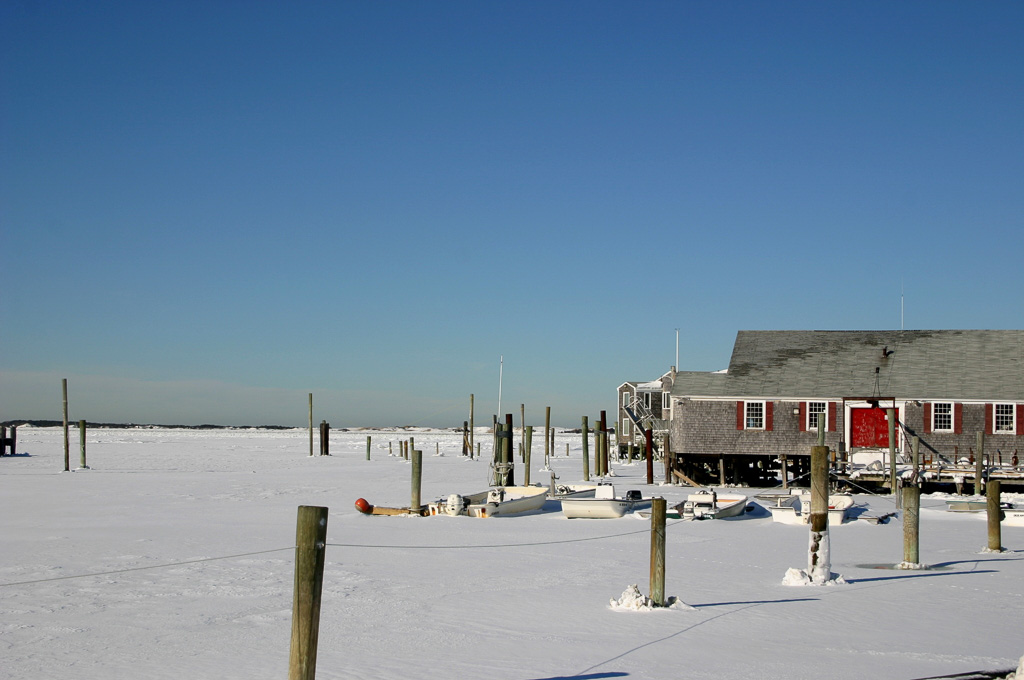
[[604, 504], [798, 509], [1013, 516], [496, 502], [711, 505]]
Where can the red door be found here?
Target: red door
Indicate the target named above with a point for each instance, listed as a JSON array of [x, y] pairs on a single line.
[[869, 428]]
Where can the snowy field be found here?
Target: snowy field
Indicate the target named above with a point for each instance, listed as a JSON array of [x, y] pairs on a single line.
[[172, 557]]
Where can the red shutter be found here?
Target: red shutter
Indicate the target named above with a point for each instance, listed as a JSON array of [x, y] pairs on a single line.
[[988, 418], [927, 418], [1020, 419], [740, 416], [958, 418], [768, 415], [831, 416], [803, 416]]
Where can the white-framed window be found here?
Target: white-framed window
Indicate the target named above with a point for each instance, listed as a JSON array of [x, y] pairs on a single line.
[[942, 416], [666, 404], [1005, 422], [754, 415], [647, 399], [625, 428], [626, 400], [813, 409]]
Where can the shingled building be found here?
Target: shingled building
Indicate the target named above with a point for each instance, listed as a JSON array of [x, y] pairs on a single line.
[[945, 386]]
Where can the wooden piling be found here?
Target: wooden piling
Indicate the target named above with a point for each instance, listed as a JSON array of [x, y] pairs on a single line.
[[819, 568], [890, 416], [527, 446], [658, 510], [586, 450], [471, 414], [310, 549], [415, 506], [995, 515], [81, 445], [311, 424], [666, 459], [547, 435], [506, 452], [979, 464], [325, 433], [552, 446], [911, 524], [67, 444], [368, 438], [649, 453]]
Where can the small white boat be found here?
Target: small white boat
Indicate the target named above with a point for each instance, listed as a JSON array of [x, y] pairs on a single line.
[[839, 505], [496, 502], [604, 504], [966, 505], [560, 491], [711, 505], [1013, 516]]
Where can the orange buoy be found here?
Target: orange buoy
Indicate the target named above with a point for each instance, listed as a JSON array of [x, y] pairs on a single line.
[[363, 506]]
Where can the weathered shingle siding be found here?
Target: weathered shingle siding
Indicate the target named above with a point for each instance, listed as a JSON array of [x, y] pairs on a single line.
[[709, 427], [952, 445]]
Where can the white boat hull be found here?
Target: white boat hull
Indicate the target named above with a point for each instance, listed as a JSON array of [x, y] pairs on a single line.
[[497, 502], [1013, 517], [839, 506], [712, 506], [601, 508]]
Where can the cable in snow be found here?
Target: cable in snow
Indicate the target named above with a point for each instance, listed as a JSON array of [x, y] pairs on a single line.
[[152, 566], [495, 545]]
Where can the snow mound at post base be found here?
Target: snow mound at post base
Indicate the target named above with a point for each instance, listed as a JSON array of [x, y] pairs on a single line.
[[632, 600], [799, 577]]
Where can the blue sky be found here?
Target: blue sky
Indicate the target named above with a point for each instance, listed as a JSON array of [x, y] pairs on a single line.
[[210, 210]]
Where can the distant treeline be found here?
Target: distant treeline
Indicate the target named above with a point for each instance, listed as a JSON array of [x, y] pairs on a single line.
[[126, 426]]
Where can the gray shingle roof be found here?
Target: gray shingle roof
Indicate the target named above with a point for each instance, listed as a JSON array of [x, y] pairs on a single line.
[[949, 364]]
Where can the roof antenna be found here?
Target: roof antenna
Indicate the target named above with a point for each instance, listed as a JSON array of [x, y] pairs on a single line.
[[901, 303]]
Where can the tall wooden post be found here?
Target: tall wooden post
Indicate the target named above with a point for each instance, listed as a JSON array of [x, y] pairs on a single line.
[[67, 444], [979, 464], [911, 524], [649, 452], [604, 445], [547, 436], [465, 438], [586, 450], [471, 426], [310, 548], [819, 567], [552, 447], [995, 515], [506, 452], [890, 416], [658, 509], [368, 438], [666, 458], [415, 506], [310, 423], [527, 446], [81, 445]]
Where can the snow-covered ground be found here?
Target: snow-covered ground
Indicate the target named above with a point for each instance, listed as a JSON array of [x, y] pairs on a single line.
[[172, 557]]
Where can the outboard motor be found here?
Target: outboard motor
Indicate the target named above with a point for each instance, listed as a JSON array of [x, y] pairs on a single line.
[[455, 505]]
